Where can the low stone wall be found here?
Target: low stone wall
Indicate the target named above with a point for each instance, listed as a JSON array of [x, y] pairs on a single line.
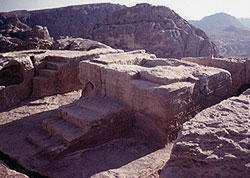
[[39, 73], [239, 69], [215, 143], [163, 92]]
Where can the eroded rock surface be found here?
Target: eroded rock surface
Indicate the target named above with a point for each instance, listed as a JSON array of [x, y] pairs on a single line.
[[215, 143], [163, 92], [120, 155], [65, 21], [17, 39], [157, 29], [5, 172], [69, 43], [39, 73], [16, 75], [239, 69]]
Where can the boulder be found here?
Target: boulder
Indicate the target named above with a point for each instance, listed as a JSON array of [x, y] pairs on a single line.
[[16, 74], [239, 69], [163, 92], [157, 29], [215, 143], [35, 38]]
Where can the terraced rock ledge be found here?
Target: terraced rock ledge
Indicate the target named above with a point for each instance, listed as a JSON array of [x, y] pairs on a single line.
[[103, 112]]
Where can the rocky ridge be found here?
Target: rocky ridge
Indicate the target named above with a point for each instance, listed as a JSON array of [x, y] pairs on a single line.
[[231, 35], [157, 29], [59, 21]]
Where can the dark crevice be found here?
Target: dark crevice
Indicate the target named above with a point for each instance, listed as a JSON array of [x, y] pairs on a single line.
[[14, 165], [32, 58], [11, 75], [242, 89]]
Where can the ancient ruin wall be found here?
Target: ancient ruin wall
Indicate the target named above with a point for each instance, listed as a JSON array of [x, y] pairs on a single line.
[[163, 92]]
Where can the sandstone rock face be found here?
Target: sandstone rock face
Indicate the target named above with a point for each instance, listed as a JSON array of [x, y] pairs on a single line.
[[163, 92], [36, 38], [215, 143], [66, 21], [239, 69], [157, 29], [72, 20], [5, 172], [15, 79]]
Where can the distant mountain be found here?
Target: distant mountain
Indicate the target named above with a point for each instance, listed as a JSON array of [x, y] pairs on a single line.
[[217, 21], [231, 35], [245, 21]]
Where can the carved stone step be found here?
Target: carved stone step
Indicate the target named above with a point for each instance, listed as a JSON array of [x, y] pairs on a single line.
[[63, 130], [79, 116], [86, 113], [100, 104], [83, 124], [47, 143]]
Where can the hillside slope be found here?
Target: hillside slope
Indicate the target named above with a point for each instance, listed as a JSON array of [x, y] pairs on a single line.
[[157, 29], [228, 33]]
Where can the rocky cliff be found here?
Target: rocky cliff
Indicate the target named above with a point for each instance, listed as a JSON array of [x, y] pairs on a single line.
[[157, 29], [66, 21]]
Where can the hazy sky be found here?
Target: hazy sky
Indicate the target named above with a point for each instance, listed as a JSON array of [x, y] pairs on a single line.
[[188, 9]]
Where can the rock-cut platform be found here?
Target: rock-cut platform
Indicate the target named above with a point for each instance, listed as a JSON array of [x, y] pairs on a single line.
[[163, 92]]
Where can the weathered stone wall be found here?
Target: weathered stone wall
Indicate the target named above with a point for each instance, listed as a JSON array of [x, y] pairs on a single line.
[[215, 143], [163, 92], [15, 79], [39, 73], [239, 69]]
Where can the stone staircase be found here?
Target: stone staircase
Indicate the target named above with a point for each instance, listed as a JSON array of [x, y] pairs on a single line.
[[82, 124], [43, 83]]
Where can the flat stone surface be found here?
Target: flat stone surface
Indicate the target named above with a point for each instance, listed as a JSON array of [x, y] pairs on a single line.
[[215, 143], [147, 166], [18, 122]]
